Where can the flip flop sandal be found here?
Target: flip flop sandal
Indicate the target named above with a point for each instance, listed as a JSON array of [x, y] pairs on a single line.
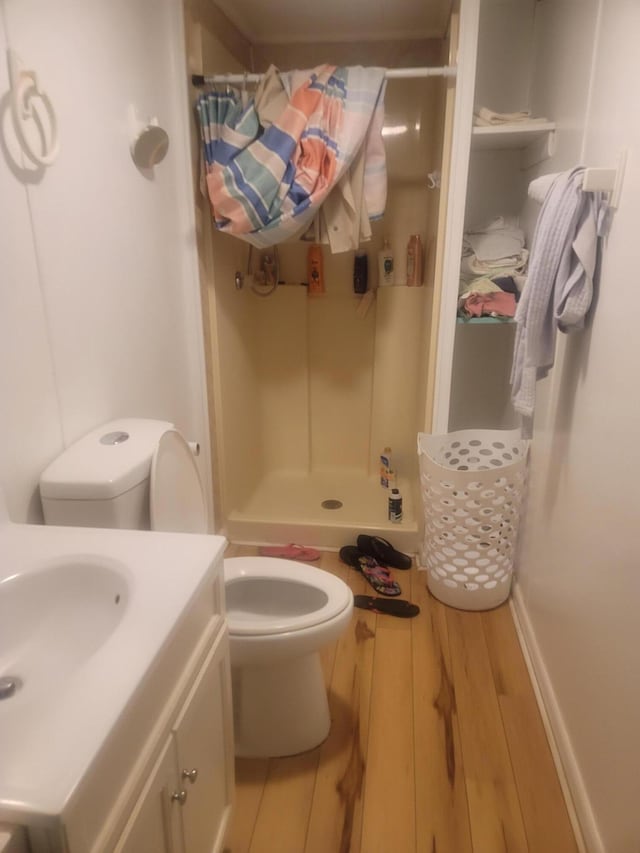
[[394, 606], [290, 552], [383, 552], [377, 576]]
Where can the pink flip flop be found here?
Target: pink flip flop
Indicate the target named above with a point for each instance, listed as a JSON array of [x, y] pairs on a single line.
[[290, 552]]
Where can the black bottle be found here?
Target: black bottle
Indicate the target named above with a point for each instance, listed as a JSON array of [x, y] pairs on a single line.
[[360, 273], [395, 506]]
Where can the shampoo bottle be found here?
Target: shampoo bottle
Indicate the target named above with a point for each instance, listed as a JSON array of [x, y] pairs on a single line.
[[395, 506], [385, 265], [314, 269], [386, 467]]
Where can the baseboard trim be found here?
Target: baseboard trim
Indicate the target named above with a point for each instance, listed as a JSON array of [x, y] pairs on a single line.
[[573, 788]]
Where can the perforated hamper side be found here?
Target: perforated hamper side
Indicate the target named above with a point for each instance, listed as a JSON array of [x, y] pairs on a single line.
[[472, 485]]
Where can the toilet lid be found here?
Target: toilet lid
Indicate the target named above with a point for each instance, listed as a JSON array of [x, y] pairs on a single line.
[[176, 501]]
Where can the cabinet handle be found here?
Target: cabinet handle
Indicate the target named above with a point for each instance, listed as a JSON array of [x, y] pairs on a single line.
[[179, 796], [191, 775]]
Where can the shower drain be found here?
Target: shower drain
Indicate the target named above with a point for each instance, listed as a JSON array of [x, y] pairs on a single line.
[[8, 685], [332, 503]]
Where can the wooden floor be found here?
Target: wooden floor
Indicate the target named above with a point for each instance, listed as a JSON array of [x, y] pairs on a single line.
[[436, 744]]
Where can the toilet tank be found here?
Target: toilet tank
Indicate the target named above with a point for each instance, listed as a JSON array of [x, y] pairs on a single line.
[[103, 479]]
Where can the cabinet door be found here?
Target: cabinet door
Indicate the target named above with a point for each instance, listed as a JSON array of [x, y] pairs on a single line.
[[204, 738], [155, 823]]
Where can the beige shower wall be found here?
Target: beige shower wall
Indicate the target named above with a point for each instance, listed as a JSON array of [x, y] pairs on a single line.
[[337, 384], [367, 374], [281, 353]]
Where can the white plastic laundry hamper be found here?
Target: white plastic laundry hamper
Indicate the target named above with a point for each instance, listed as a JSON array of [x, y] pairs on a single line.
[[472, 485]]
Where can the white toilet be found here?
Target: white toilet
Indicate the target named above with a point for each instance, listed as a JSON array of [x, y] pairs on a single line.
[[141, 474]]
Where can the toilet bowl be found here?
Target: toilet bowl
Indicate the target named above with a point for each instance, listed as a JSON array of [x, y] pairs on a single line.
[[137, 473], [280, 614]]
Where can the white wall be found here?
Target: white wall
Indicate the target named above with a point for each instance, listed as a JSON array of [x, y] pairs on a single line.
[[99, 305], [503, 73], [578, 588]]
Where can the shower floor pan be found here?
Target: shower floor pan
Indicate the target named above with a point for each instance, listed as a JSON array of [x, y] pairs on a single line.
[[287, 507]]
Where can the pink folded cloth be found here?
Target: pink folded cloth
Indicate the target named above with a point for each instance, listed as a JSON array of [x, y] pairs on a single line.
[[493, 304]]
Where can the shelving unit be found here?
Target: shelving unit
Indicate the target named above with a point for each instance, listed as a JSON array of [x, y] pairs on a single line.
[[499, 161]]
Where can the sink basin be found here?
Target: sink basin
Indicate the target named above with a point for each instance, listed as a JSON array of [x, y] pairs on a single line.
[[53, 619], [86, 617]]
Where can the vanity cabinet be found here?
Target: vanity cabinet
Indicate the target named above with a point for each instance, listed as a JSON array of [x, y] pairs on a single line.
[[160, 771], [182, 808], [154, 826]]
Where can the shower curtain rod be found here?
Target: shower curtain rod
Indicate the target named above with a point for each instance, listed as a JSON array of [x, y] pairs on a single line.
[[391, 74]]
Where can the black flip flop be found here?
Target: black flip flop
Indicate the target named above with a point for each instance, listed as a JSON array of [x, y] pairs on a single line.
[[383, 552], [393, 606], [378, 576]]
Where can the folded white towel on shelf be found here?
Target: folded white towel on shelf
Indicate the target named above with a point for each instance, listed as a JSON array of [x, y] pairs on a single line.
[[539, 187], [499, 223], [501, 238], [471, 267], [484, 117]]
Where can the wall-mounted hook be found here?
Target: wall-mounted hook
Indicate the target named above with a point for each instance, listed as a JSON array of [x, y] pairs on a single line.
[[150, 142], [607, 180], [31, 106], [433, 180]]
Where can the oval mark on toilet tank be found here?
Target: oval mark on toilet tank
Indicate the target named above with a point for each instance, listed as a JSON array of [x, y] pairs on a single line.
[[118, 437], [8, 686]]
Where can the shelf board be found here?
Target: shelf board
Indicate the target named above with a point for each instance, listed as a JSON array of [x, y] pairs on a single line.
[[477, 321], [518, 135]]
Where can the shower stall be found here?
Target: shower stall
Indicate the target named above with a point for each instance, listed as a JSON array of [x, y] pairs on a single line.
[[307, 390]]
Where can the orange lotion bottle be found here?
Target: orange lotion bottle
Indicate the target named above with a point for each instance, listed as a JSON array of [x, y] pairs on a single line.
[[414, 261]]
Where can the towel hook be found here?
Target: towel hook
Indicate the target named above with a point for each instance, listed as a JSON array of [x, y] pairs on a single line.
[[434, 179], [25, 89]]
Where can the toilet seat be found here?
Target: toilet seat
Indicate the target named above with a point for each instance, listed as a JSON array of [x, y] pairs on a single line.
[[269, 596], [176, 500]]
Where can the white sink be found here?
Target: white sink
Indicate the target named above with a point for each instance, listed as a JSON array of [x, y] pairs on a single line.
[[85, 617], [52, 619]]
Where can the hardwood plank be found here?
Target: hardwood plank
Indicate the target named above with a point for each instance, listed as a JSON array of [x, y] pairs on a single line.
[[388, 822], [442, 817], [329, 562], [283, 817], [543, 808], [251, 775], [336, 810], [494, 809]]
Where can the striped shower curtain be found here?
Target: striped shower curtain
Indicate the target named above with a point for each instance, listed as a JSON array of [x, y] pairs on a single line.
[[272, 162]]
